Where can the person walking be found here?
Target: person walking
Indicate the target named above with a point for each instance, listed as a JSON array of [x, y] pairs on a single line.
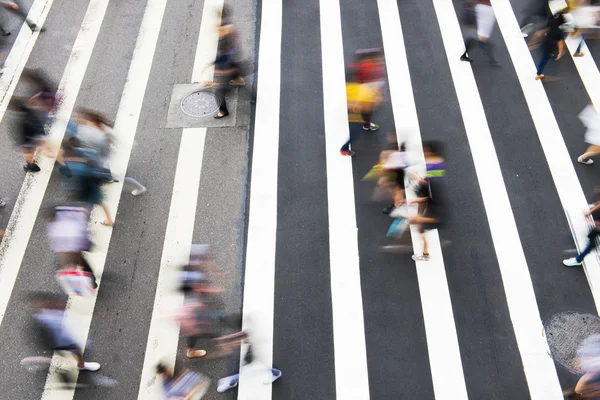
[[553, 43], [484, 22], [593, 212], [591, 120], [362, 99], [31, 132], [431, 195], [14, 8], [50, 319], [229, 343], [95, 132]]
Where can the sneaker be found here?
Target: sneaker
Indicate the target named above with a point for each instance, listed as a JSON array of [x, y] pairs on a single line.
[[225, 384], [586, 161], [137, 192], [2, 203], [571, 262], [579, 54], [371, 127], [31, 167], [275, 374], [90, 366], [539, 76], [466, 58], [420, 258], [349, 153]]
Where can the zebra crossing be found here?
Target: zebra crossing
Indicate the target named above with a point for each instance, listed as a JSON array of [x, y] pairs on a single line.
[[295, 225]]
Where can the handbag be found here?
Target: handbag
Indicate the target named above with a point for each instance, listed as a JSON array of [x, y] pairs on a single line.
[[397, 228]]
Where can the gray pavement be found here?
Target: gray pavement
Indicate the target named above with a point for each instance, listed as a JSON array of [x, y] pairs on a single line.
[[396, 344]]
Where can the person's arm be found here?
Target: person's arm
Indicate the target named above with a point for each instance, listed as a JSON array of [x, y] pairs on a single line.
[[592, 210], [561, 49]]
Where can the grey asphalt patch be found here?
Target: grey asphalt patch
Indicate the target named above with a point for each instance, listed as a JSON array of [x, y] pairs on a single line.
[[177, 118]]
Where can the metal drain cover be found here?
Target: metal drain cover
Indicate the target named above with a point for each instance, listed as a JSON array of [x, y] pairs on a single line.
[[200, 103], [565, 333]]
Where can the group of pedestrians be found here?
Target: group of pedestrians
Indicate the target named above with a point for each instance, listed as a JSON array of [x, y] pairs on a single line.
[[205, 323]]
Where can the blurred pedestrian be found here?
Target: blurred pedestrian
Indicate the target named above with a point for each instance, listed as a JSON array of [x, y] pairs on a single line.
[[484, 22], [200, 315], [31, 133], [553, 43], [396, 165], [14, 8], [228, 65], [591, 120], [50, 317], [80, 167], [536, 14], [95, 132], [585, 19], [588, 386], [593, 212], [187, 385], [228, 344], [431, 196], [69, 237], [362, 99]]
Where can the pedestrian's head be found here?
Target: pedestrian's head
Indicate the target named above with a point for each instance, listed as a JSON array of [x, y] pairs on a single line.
[[93, 117]]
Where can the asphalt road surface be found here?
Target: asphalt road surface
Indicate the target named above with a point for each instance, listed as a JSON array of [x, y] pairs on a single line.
[[292, 222]]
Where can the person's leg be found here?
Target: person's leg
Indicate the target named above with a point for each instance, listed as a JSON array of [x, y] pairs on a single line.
[[86, 267], [18, 10], [139, 188], [576, 261], [109, 221], [230, 381], [29, 153], [489, 50], [355, 129], [191, 348], [469, 43], [591, 151], [223, 112], [542, 64], [578, 52]]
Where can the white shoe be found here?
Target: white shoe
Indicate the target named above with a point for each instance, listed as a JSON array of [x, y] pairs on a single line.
[[571, 262], [275, 374], [420, 258], [137, 192], [227, 383], [2, 203], [90, 366], [586, 161]]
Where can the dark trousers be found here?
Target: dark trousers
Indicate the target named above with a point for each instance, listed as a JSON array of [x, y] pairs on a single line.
[[546, 56], [486, 46], [355, 131], [590, 246]]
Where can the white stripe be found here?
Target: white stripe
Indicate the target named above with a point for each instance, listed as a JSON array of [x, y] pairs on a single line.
[[20, 51], [539, 368], [351, 371], [442, 341], [559, 161], [587, 68], [163, 335], [79, 310], [259, 277], [22, 219]]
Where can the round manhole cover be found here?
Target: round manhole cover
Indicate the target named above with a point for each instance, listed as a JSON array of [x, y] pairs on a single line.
[[566, 332], [200, 104]]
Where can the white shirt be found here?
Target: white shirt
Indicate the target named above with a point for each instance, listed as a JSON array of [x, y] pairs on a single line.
[[486, 20]]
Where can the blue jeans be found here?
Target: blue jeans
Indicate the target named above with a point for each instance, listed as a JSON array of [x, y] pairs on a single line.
[[591, 246], [546, 56]]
